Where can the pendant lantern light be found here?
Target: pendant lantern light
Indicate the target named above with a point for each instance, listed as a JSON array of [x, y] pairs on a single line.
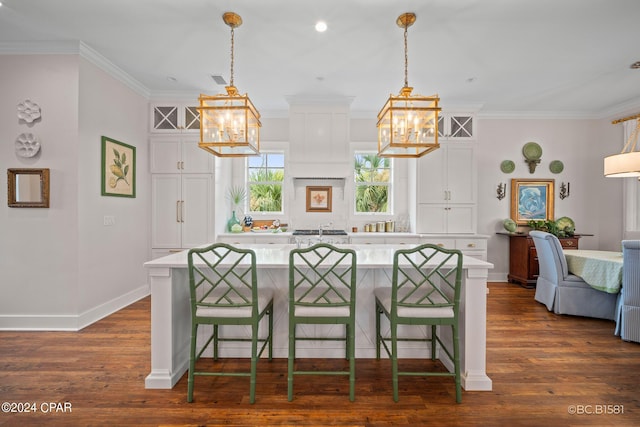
[[408, 124], [229, 123]]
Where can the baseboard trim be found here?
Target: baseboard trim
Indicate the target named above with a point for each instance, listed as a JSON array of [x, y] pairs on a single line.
[[43, 322]]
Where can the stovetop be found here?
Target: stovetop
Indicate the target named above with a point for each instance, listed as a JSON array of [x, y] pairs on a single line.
[[315, 232]]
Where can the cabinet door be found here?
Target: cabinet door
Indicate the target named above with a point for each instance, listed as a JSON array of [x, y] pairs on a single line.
[[432, 177], [165, 155], [175, 118], [179, 154], [447, 175], [460, 173], [194, 158], [461, 219], [196, 214], [164, 118], [443, 218], [166, 211], [452, 126]]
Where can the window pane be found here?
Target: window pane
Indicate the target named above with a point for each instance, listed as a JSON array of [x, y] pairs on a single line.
[[372, 198], [373, 183], [265, 175]]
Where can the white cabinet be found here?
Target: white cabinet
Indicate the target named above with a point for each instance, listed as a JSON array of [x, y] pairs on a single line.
[[474, 246], [446, 218], [456, 126], [446, 190], [179, 154], [182, 213], [170, 117], [181, 193]]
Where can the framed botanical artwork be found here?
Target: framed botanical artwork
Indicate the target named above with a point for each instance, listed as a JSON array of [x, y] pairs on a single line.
[[118, 168], [531, 199], [319, 199]]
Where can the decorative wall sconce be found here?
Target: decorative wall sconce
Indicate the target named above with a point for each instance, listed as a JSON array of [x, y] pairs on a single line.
[[564, 190], [502, 190], [532, 153]]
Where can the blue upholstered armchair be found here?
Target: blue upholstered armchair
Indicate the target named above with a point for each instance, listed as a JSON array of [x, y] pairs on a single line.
[[565, 293], [628, 311]]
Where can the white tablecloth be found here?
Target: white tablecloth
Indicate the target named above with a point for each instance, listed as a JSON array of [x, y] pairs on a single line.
[[602, 270]]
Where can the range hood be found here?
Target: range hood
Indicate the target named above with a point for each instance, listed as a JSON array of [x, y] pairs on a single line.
[[319, 142]]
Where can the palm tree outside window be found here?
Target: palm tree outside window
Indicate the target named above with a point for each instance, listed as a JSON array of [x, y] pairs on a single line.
[[265, 179], [372, 183]]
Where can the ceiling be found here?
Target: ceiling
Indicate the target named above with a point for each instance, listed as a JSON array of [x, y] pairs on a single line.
[[567, 58]]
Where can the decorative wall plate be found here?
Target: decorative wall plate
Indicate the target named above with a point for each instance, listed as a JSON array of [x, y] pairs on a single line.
[[556, 166], [27, 145], [28, 111], [510, 225], [532, 151], [507, 166], [564, 222]]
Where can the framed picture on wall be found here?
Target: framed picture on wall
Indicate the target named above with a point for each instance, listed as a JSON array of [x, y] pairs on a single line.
[[318, 199], [531, 199], [118, 168]]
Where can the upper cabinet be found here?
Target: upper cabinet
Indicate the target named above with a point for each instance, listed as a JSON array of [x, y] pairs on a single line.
[[179, 154], [446, 180], [174, 117], [456, 126], [448, 175]]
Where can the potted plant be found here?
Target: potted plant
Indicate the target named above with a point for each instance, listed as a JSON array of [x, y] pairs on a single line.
[[551, 227]]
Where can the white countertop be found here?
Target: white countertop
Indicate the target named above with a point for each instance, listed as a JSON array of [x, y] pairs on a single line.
[[277, 256], [364, 234]]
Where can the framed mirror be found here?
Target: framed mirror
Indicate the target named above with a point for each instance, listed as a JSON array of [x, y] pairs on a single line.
[[28, 188]]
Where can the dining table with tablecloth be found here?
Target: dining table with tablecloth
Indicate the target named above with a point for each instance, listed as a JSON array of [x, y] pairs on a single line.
[[601, 270]]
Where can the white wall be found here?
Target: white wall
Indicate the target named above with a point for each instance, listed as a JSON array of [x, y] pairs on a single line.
[[110, 258], [581, 145], [61, 268]]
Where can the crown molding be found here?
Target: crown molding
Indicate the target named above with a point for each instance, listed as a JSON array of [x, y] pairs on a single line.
[[74, 47]]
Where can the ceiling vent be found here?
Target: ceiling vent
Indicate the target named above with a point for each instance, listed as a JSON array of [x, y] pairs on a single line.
[[219, 79]]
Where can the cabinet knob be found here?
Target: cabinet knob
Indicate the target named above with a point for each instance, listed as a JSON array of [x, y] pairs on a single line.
[[441, 245], [471, 245]]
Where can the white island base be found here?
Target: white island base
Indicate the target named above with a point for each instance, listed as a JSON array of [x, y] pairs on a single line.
[[171, 318]]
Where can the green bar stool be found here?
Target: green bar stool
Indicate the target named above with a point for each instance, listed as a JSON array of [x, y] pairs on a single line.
[[322, 290], [224, 292], [425, 291]]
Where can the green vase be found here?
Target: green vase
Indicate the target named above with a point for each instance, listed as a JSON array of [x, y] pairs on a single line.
[[232, 221]]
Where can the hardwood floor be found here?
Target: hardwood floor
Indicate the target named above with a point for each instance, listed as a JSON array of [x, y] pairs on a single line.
[[542, 365]]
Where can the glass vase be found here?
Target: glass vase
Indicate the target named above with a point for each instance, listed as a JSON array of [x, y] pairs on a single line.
[[232, 221]]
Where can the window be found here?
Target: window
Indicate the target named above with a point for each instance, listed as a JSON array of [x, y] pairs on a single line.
[[372, 183], [265, 178]]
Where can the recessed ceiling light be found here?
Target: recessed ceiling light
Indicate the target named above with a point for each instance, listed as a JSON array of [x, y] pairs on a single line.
[[635, 65], [321, 26]]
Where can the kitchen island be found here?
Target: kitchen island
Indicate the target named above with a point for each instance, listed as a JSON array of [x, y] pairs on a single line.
[[170, 313]]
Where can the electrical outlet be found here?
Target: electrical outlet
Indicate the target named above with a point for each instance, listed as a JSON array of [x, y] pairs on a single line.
[[109, 220]]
